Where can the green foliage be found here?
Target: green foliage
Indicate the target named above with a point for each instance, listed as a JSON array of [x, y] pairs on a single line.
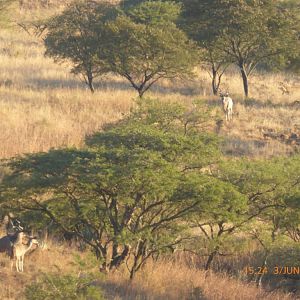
[[121, 191], [286, 252], [291, 59], [272, 188], [212, 56], [254, 197], [137, 187], [155, 12], [56, 286], [271, 179], [248, 33], [77, 35], [141, 43], [145, 46]]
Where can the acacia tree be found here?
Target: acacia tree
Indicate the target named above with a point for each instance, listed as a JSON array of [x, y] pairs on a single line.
[[293, 60], [76, 36], [247, 32], [289, 222], [118, 192], [237, 195], [217, 217], [267, 185], [214, 58], [144, 45], [218, 64]]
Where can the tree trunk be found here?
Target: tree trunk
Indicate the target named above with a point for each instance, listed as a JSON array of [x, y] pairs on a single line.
[[138, 258], [90, 81], [215, 86], [118, 258], [141, 92], [245, 80], [132, 270], [210, 259]]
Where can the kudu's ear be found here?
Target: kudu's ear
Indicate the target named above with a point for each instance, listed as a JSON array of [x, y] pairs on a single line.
[[221, 93]]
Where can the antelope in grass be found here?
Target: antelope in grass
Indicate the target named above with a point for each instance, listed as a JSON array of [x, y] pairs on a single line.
[[21, 247], [227, 106], [16, 246]]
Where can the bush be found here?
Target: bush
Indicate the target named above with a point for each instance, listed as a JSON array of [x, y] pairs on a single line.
[[67, 287]]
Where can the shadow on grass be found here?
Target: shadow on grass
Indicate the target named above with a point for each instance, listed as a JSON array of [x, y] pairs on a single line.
[[251, 102], [237, 147], [127, 290], [185, 88]]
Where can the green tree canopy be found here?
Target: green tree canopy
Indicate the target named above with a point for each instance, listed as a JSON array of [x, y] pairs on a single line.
[[145, 45], [247, 32], [140, 43], [192, 21], [138, 187], [154, 12], [76, 36], [240, 196], [120, 192]]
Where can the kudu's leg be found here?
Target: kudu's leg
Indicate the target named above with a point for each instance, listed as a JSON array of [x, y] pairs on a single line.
[[17, 264], [22, 263]]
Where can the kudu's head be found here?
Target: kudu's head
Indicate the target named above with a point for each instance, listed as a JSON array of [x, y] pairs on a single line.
[[223, 96], [26, 239]]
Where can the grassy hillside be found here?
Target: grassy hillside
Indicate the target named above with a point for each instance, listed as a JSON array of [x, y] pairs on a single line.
[[164, 279], [43, 106]]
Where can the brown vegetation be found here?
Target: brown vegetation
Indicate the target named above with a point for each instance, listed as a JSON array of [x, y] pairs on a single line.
[[57, 259], [42, 106], [165, 279]]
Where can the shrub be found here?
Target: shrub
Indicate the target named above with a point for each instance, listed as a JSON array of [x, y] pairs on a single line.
[[55, 286]]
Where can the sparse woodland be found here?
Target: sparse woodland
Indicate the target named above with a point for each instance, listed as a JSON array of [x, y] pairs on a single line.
[[115, 151]]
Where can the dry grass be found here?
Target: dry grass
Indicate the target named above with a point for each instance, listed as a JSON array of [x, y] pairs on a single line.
[[167, 280], [158, 280], [43, 106], [57, 259]]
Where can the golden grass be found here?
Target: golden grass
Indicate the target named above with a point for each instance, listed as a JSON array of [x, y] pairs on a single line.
[[56, 259], [169, 280], [43, 106], [165, 279], [34, 121]]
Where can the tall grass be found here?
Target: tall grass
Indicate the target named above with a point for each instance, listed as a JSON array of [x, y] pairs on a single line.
[[43, 106], [172, 280], [56, 259], [164, 279]]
